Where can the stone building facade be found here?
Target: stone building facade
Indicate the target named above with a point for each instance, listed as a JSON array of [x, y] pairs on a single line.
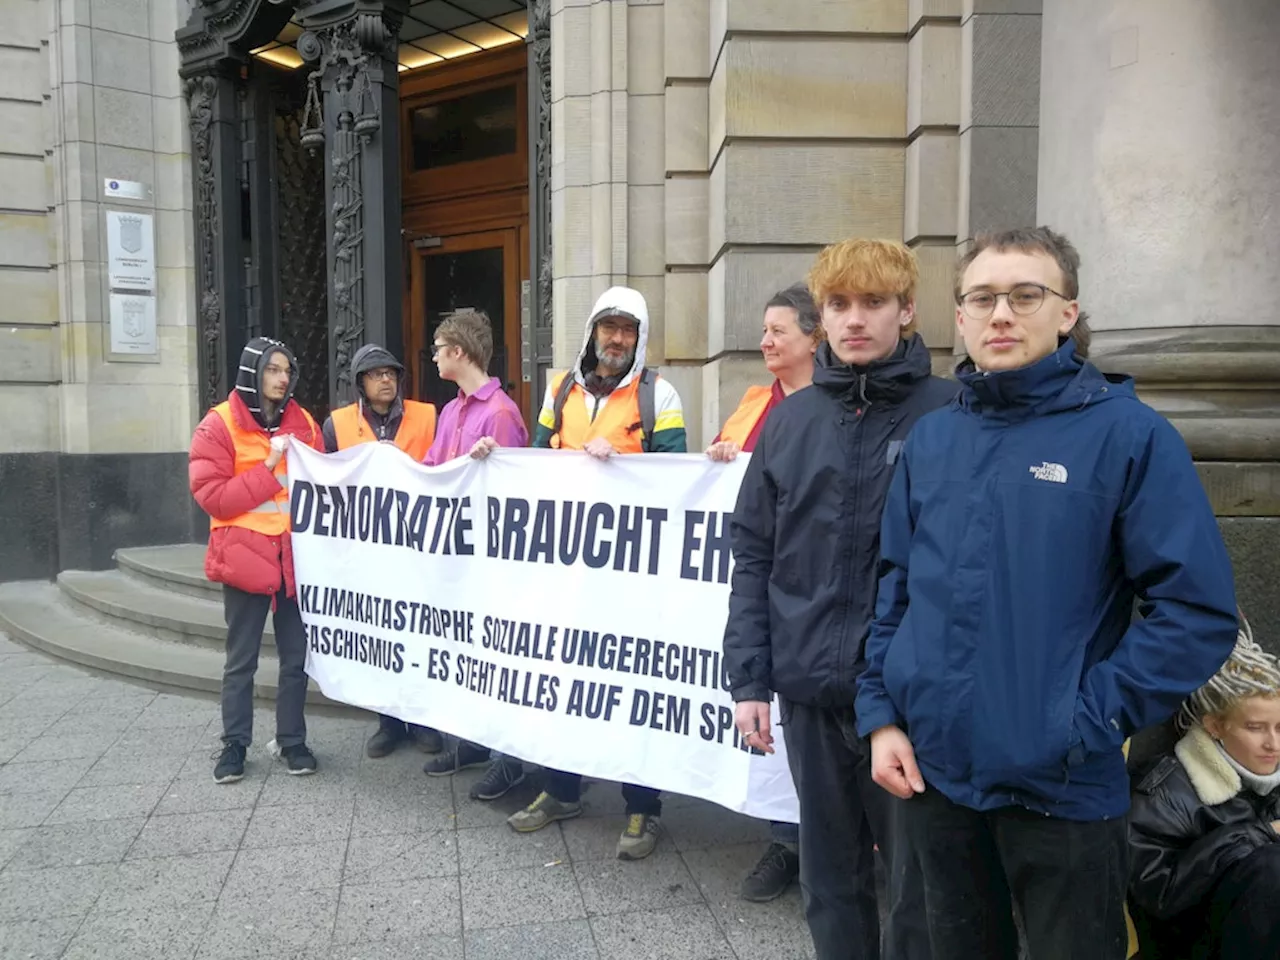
[[699, 150]]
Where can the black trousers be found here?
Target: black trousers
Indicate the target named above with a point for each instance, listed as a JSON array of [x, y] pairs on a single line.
[[843, 816], [567, 788], [246, 615], [1066, 879], [1245, 908]]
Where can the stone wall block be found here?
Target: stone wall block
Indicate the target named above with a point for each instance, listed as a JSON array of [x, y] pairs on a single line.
[[686, 202], [685, 115], [932, 186], [934, 74]]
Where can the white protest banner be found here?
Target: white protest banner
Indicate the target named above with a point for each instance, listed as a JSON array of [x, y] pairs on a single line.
[[563, 610]]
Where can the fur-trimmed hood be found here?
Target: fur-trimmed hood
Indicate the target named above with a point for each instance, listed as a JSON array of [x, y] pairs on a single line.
[[1214, 779]]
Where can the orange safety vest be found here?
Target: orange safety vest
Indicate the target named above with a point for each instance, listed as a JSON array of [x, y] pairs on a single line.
[[270, 518], [743, 420], [618, 422], [417, 428]]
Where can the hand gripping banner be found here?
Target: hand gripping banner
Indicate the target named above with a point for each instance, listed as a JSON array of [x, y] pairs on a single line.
[[560, 609]]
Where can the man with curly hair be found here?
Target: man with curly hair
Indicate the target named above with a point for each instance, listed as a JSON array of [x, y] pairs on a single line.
[[806, 534]]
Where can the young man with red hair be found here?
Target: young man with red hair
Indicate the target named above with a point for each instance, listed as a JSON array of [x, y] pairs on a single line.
[[806, 535]]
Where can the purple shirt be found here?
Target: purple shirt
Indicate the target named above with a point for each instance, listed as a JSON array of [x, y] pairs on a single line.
[[486, 413]]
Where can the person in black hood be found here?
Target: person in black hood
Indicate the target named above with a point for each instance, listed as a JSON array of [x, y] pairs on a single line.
[[381, 414], [805, 536], [239, 476]]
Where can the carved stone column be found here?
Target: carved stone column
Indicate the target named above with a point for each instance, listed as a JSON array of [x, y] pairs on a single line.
[[214, 47], [353, 115], [538, 338], [216, 211]]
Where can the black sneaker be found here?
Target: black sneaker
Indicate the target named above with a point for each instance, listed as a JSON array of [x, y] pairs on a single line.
[[389, 735], [770, 877], [502, 775], [230, 766], [449, 762], [426, 739], [298, 760]]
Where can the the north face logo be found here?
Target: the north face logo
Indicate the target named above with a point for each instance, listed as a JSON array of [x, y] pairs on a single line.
[[1052, 472]]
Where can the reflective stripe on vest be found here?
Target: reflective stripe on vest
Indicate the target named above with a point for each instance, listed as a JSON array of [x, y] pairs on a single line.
[[271, 517], [414, 435], [743, 420], [618, 420]]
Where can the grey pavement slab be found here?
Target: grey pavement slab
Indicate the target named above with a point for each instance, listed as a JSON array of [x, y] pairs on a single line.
[[503, 898], [689, 931], [37, 939], [116, 843], [412, 910], [185, 834], [76, 844], [567, 940], [392, 858], [141, 933], [616, 886], [51, 893]]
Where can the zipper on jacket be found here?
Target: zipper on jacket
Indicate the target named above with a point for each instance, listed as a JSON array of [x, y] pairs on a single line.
[[842, 665]]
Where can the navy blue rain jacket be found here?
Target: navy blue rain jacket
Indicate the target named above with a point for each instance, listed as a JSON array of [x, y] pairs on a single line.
[[1022, 522]]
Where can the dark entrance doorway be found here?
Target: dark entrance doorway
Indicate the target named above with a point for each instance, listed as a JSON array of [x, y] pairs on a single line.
[[478, 271]]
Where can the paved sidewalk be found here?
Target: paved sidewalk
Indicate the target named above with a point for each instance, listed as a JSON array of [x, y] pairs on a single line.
[[116, 843]]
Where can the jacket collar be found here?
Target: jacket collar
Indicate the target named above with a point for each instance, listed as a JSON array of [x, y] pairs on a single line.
[[885, 380], [1207, 768], [1061, 381]]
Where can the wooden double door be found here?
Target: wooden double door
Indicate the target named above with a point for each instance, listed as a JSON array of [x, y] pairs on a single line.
[[465, 178]]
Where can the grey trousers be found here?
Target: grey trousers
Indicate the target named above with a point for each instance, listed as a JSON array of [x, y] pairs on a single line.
[[246, 615]]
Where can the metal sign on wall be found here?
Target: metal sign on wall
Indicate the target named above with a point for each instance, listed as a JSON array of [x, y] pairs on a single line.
[[131, 281]]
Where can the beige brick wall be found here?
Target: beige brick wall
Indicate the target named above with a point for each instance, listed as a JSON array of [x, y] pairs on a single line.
[[29, 348], [113, 109], [706, 149]]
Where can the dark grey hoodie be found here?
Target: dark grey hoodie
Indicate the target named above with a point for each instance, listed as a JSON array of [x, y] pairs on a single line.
[[370, 357]]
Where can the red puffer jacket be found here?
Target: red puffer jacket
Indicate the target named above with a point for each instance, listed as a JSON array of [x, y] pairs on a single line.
[[241, 558]]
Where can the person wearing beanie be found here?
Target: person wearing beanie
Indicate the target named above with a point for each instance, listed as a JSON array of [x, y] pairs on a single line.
[[1204, 830], [382, 414], [239, 477]]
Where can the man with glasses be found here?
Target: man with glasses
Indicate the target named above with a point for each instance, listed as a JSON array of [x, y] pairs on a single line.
[[608, 403], [1005, 669], [380, 413], [480, 418]]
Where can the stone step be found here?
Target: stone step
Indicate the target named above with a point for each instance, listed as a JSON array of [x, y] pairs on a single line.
[[37, 613], [117, 599], [178, 569]]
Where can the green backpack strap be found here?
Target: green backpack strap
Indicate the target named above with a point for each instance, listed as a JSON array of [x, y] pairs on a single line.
[[561, 398]]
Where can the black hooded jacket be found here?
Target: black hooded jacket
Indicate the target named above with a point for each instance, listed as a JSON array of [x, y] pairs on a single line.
[[806, 529], [253, 361], [371, 357]]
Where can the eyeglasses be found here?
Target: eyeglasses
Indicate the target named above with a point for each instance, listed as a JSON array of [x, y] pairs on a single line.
[[1024, 300], [383, 373], [436, 348], [611, 328]]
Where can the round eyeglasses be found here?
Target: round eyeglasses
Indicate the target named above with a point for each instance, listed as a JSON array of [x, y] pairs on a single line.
[[1024, 300]]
